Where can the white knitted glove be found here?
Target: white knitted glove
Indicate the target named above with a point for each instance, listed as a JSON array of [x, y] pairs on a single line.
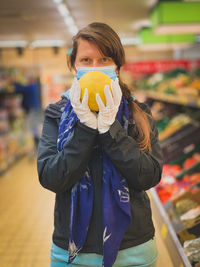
[[107, 113], [83, 112]]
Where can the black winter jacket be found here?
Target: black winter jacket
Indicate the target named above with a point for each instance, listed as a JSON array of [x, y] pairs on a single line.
[[59, 171]]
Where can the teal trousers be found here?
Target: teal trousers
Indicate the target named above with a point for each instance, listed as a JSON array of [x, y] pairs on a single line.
[[144, 255]]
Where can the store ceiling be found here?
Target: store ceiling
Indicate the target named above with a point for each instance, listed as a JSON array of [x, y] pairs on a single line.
[[40, 19]]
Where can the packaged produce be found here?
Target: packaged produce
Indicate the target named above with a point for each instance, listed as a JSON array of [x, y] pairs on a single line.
[[192, 250], [184, 205], [191, 217]]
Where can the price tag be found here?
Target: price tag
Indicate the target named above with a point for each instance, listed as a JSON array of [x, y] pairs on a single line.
[[164, 231]]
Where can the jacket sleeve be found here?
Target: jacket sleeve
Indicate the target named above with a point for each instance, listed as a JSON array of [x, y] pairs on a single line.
[[59, 171], [142, 170]]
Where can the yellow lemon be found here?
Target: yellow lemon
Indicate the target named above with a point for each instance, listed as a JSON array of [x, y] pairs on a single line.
[[94, 82]]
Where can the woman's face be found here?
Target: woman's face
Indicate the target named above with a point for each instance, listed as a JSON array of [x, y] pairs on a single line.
[[89, 55]]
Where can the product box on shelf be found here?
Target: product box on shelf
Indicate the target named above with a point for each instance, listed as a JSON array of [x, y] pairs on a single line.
[[187, 207], [15, 140], [184, 209], [181, 141], [190, 233]]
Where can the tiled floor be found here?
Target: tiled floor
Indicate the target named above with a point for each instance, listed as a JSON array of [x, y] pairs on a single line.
[[26, 220]]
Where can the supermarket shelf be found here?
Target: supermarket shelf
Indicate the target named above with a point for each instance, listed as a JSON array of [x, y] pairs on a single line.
[[5, 92], [175, 99], [5, 167], [168, 234], [13, 159]]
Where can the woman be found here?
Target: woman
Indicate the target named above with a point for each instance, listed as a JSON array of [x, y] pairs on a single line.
[[99, 164]]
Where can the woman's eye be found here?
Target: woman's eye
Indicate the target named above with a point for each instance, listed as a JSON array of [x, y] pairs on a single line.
[[105, 59], [85, 60]]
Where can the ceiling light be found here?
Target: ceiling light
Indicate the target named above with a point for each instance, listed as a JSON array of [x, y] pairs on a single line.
[[57, 1], [69, 21], [63, 10], [9, 43], [47, 43], [130, 41], [73, 30], [65, 13]]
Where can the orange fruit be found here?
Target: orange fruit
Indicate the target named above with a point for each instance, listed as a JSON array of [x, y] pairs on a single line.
[[95, 82]]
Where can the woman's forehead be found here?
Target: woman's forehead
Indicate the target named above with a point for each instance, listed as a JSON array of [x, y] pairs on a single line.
[[88, 48]]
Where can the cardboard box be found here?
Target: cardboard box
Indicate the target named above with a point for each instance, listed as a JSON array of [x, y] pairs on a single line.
[[189, 233]]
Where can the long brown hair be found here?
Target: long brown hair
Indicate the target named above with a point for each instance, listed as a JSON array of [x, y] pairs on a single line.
[[110, 45]]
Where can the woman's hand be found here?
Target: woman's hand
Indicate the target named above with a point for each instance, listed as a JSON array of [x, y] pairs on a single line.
[[107, 113], [83, 112]]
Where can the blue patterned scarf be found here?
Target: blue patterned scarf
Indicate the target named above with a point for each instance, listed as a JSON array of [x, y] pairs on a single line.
[[115, 196]]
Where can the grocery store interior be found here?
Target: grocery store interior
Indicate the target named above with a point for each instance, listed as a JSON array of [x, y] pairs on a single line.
[[161, 39]]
